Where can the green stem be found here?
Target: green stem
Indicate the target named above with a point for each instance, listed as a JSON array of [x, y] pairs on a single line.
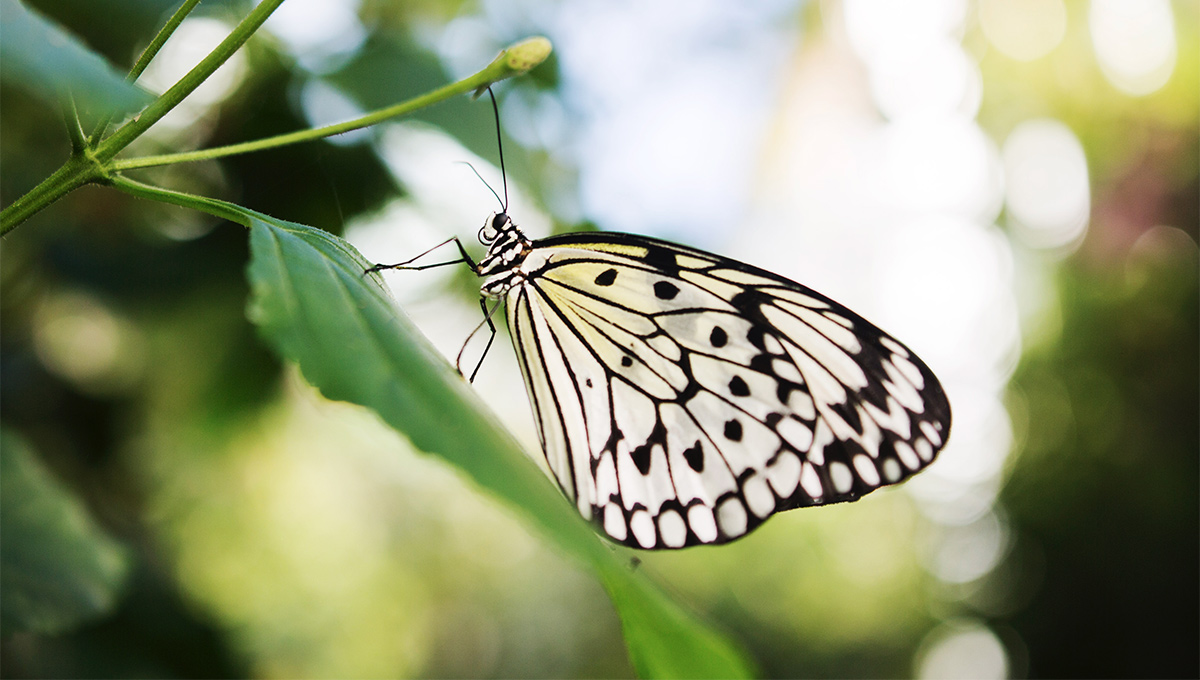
[[77, 171], [177, 92], [160, 39], [514, 60], [97, 165], [211, 206], [92, 165], [74, 127], [147, 55]]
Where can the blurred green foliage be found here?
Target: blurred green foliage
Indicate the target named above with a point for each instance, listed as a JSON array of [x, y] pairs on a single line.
[[58, 568], [1105, 489]]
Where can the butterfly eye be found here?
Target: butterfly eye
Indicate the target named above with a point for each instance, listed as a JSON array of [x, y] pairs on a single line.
[[490, 231], [497, 223]]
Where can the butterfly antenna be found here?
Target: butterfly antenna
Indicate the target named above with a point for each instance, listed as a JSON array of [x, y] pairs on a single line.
[[500, 146], [481, 179]]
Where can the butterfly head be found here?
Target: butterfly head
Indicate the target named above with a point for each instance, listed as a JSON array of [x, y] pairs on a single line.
[[507, 248], [496, 226], [499, 233]]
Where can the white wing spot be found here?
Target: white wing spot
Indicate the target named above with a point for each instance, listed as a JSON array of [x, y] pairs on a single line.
[[891, 470], [798, 298], [924, 450], [910, 371], [822, 437], [835, 332], [894, 346], [795, 433], [700, 517], [817, 349], [801, 404], [771, 344], [866, 470], [841, 320], [907, 456], [931, 432], [606, 479], [811, 481], [895, 418], [689, 262], [614, 522], [758, 496], [841, 476], [672, 529], [899, 387], [787, 371], [732, 517], [643, 528], [822, 386], [743, 278], [784, 474]]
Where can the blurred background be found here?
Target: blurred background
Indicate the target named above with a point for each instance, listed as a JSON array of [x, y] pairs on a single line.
[[1010, 187]]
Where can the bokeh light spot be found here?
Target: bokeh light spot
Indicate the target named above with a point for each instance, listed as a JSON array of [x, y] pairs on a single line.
[[1023, 29], [1134, 42], [1049, 197], [962, 649]]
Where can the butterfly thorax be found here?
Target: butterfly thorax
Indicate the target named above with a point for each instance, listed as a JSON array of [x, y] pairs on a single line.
[[503, 267]]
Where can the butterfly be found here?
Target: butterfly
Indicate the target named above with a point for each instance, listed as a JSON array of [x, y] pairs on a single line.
[[682, 398]]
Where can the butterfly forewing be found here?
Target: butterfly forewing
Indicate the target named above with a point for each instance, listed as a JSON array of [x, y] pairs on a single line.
[[682, 398]]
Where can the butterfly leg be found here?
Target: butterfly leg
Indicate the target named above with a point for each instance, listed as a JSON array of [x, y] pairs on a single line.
[[487, 320], [407, 264]]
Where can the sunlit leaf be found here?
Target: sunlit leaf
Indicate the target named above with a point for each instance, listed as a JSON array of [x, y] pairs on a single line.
[[57, 568], [49, 62], [312, 302]]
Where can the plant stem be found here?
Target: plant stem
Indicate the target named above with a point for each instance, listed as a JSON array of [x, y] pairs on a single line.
[[514, 60], [97, 165], [77, 171], [177, 92], [147, 55], [92, 165], [74, 127], [211, 206]]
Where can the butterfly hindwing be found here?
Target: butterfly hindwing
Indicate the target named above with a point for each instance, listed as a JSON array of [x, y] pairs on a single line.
[[682, 398]]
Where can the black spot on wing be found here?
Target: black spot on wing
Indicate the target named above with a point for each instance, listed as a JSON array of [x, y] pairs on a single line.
[[663, 259], [733, 430], [695, 457], [641, 454], [606, 277], [665, 290], [641, 457], [755, 336], [718, 337], [761, 363], [747, 302], [738, 387]]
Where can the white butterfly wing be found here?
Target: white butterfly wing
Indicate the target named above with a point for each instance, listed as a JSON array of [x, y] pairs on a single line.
[[682, 398]]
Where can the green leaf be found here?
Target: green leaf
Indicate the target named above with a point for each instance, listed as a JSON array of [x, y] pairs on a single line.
[[57, 568], [48, 61], [312, 302]]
